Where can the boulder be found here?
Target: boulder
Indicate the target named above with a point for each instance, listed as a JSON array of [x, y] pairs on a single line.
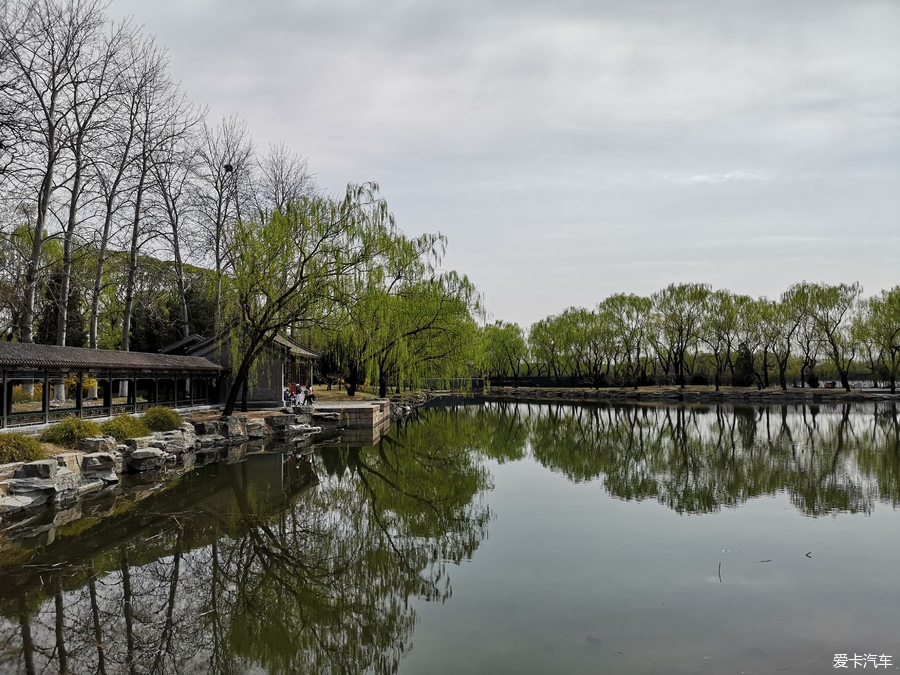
[[42, 490], [42, 468], [11, 504], [146, 459], [234, 427], [98, 461], [9, 470], [99, 444], [66, 481], [280, 421], [69, 460], [139, 443]]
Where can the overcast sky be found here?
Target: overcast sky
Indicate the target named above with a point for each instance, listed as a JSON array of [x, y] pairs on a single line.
[[577, 148]]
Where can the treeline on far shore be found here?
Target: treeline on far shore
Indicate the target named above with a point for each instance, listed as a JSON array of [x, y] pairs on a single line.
[[691, 334]]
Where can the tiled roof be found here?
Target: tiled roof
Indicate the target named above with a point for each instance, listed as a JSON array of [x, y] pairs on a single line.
[[182, 344], [50, 356], [295, 348]]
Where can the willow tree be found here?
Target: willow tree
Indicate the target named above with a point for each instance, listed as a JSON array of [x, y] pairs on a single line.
[[680, 308], [629, 318], [504, 350], [880, 330], [832, 310], [408, 321], [295, 268]]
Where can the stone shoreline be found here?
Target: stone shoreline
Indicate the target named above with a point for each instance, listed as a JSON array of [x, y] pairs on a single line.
[[674, 395], [98, 465]]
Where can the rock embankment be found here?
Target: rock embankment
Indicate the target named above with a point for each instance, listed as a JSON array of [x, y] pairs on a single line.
[[403, 406], [99, 463], [770, 396]]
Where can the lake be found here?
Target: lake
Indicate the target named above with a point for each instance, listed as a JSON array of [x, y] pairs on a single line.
[[488, 538]]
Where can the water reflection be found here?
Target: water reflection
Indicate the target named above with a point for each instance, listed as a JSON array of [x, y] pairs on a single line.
[[295, 569], [700, 459], [294, 564]]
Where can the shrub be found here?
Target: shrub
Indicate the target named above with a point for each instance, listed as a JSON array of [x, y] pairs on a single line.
[[71, 430], [162, 419], [812, 379], [122, 427], [19, 448]]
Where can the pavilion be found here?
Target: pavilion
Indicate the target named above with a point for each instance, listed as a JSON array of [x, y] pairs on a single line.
[[28, 371]]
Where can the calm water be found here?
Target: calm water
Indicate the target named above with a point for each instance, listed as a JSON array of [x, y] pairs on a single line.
[[488, 539]]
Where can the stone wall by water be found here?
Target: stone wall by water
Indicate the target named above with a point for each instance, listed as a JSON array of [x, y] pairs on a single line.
[[99, 464]]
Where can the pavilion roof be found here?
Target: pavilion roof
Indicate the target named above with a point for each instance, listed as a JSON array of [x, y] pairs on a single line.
[[19, 354]]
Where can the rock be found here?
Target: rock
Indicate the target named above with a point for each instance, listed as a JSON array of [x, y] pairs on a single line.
[[175, 446], [11, 504], [108, 476], [99, 444], [280, 421], [67, 481], [139, 443], [211, 441], [42, 468], [98, 461], [69, 460], [234, 429], [9, 470], [146, 459], [43, 490], [256, 428]]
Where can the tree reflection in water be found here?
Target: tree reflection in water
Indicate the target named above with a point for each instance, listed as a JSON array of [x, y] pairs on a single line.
[[319, 581], [284, 565]]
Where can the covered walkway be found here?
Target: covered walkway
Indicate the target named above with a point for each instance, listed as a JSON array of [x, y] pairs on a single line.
[[44, 383]]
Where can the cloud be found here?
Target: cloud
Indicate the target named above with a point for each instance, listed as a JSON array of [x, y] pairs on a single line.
[[496, 121]]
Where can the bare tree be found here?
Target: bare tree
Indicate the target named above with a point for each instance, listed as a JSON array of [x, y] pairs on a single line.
[[44, 41], [97, 77], [226, 157], [174, 167], [114, 159], [283, 178], [160, 105]]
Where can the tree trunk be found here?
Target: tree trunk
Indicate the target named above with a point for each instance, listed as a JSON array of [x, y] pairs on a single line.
[[68, 244], [43, 206], [133, 262]]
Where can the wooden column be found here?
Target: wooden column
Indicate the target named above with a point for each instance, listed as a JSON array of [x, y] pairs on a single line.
[[107, 393], [5, 399], [45, 396], [79, 394]]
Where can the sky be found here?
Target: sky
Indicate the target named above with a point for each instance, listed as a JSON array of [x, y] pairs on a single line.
[[572, 149]]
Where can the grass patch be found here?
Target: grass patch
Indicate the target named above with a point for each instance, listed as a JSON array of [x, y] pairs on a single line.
[[17, 447], [123, 427], [71, 430], [158, 418]]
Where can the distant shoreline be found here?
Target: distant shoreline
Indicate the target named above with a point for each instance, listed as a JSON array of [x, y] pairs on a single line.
[[689, 395]]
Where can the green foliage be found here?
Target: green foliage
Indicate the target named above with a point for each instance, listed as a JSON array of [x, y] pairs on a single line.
[[69, 431], [18, 447], [162, 419], [20, 395], [122, 427]]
